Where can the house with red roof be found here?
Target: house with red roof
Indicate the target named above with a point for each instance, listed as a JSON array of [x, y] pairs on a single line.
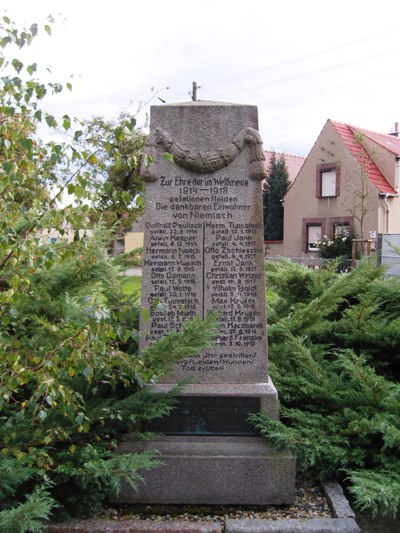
[[349, 182]]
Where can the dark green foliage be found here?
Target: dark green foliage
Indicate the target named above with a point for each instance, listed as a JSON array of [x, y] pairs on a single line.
[[95, 473], [366, 484], [72, 380], [12, 474], [334, 352], [277, 185], [130, 259], [29, 515], [72, 383], [179, 346]]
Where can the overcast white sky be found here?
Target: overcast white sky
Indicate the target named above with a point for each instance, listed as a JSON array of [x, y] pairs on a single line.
[[300, 62]]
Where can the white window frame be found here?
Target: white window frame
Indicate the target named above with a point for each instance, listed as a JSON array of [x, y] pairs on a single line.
[[311, 246], [328, 182]]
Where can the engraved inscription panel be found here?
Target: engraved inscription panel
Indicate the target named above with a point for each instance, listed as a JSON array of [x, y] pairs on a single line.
[[204, 250]]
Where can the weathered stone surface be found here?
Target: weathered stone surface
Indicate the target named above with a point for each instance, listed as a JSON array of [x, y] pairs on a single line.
[[318, 525], [133, 526], [204, 236], [337, 500], [211, 470]]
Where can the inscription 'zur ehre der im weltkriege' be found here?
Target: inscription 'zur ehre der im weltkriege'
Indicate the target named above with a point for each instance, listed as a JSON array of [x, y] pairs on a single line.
[[203, 257], [203, 199]]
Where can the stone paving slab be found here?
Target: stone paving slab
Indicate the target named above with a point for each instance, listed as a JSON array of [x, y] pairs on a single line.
[[337, 500], [134, 526], [292, 525]]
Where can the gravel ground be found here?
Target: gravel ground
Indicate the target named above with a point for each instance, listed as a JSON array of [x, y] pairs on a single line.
[[309, 503]]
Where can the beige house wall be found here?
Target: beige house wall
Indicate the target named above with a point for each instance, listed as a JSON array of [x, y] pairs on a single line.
[[390, 209], [273, 248], [133, 240], [301, 201]]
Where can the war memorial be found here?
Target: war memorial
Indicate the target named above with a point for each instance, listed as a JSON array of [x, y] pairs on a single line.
[[203, 251]]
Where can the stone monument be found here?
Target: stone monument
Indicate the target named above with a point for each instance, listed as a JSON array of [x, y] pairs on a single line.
[[203, 250]]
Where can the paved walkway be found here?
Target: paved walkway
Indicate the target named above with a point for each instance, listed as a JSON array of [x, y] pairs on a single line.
[[136, 271]]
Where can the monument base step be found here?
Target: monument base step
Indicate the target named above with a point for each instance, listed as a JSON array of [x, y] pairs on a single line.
[[212, 470]]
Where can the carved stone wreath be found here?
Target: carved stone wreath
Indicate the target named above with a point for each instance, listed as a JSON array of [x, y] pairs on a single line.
[[204, 161]]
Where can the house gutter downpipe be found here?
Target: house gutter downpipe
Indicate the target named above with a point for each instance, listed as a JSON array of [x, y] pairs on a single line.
[[385, 199]]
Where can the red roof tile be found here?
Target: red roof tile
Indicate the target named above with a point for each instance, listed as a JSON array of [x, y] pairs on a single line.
[[389, 142], [347, 133], [293, 163]]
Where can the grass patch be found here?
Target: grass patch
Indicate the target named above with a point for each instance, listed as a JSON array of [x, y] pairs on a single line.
[[132, 285]]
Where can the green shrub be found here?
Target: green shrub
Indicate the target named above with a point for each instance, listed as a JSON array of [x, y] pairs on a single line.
[[334, 357], [334, 247], [72, 382]]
